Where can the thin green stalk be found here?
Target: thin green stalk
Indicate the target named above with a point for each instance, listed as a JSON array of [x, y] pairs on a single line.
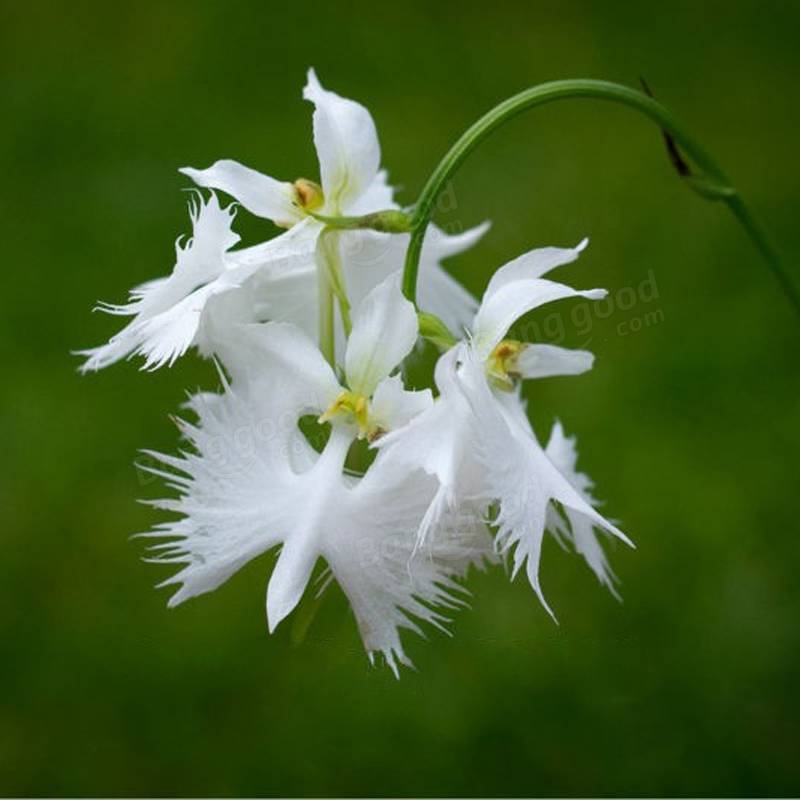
[[711, 182], [763, 242], [327, 342], [331, 285], [329, 259]]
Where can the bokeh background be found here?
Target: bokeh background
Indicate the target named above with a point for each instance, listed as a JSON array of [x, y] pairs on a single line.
[[689, 423]]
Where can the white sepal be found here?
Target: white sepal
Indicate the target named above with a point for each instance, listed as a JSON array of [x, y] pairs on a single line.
[[533, 264], [347, 147], [384, 333], [547, 360], [258, 193], [506, 305]]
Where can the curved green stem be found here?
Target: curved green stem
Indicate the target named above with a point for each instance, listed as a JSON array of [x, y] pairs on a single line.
[[711, 183]]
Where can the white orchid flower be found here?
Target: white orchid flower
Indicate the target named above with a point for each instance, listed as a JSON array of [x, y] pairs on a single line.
[[315, 447], [352, 183], [277, 279], [351, 180], [476, 438], [255, 482]]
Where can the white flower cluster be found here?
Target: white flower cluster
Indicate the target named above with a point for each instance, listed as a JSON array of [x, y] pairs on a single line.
[[444, 482]]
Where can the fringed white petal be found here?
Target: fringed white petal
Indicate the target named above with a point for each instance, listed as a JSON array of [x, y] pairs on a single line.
[[167, 336], [519, 477], [442, 442], [236, 495], [390, 585], [167, 311], [574, 526], [240, 493]]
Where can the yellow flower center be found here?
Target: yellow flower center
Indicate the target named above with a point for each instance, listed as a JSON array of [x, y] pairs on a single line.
[[352, 405], [308, 195], [502, 365]]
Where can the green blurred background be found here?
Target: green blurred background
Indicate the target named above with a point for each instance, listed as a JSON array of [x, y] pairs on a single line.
[[688, 424]]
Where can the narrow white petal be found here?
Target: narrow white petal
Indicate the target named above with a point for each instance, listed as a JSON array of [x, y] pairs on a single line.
[[533, 264], [258, 193], [439, 244], [167, 336], [347, 146], [545, 360], [289, 578], [384, 333], [393, 406], [505, 306]]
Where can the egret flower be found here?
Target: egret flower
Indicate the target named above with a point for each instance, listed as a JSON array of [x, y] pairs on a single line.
[[351, 180], [352, 184], [476, 438], [254, 482], [277, 279]]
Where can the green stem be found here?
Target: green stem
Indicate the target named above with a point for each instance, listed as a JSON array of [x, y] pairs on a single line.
[[327, 342], [390, 221], [331, 285], [763, 242], [333, 261], [712, 182]]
